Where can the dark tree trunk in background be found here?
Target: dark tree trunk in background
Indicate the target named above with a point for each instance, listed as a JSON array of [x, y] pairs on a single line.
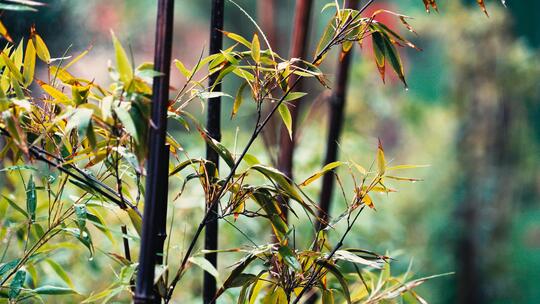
[[335, 125], [213, 125], [155, 207], [486, 188], [299, 46]]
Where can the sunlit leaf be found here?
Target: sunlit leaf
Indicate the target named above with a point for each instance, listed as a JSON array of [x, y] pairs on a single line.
[[323, 171], [122, 62], [286, 118], [41, 48], [29, 63], [256, 49]]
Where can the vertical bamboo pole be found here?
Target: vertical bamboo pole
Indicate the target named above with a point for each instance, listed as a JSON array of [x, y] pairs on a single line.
[[157, 175], [335, 125], [298, 50], [213, 126]]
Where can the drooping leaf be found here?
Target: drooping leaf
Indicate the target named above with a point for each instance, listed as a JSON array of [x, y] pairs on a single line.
[[286, 118], [41, 48], [31, 198], [205, 265], [340, 277], [59, 270], [135, 220], [238, 99], [281, 180], [218, 147]]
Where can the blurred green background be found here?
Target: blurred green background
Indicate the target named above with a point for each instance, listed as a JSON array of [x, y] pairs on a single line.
[[472, 112]]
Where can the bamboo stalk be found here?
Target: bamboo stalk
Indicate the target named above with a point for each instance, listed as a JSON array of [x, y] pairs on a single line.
[[157, 175], [213, 126], [335, 126]]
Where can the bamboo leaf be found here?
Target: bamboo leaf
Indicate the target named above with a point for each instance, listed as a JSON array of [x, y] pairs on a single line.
[[289, 258], [59, 270], [205, 265], [29, 63], [122, 62], [31, 199], [286, 118], [256, 49], [4, 32], [16, 284], [54, 290], [323, 171], [238, 99], [41, 48], [135, 220], [381, 162]]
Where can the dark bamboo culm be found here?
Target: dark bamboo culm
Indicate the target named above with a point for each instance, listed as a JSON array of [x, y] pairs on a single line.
[[155, 207], [299, 46], [335, 125], [213, 126]]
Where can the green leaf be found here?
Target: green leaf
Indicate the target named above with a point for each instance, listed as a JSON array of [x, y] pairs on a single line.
[[286, 117], [289, 258], [82, 119], [31, 198], [54, 290], [127, 122], [256, 48], [5, 267], [293, 96], [237, 278], [218, 147], [122, 62], [205, 265], [59, 270], [16, 284], [395, 60], [16, 207], [379, 51], [281, 180]]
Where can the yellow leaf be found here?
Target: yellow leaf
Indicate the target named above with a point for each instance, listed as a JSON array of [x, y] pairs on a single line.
[[122, 61], [12, 68], [29, 63], [323, 171], [286, 117], [4, 33], [256, 48], [135, 219], [381, 162], [56, 94], [41, 48]]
